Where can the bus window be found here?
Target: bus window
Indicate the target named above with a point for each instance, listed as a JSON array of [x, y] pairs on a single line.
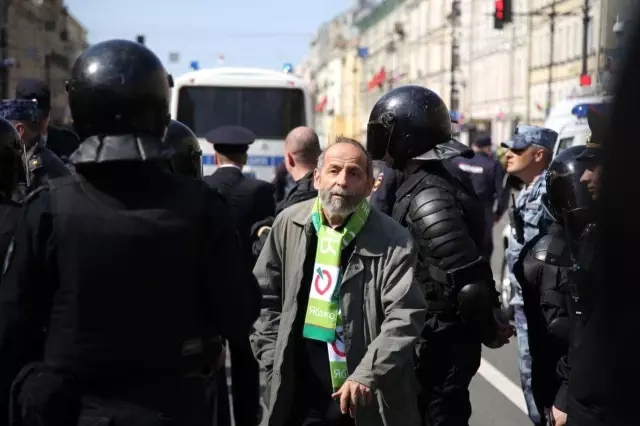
[[270, 113], [564, 144]]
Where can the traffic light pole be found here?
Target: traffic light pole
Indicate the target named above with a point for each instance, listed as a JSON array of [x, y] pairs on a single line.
[[552, 33], [585, 36]]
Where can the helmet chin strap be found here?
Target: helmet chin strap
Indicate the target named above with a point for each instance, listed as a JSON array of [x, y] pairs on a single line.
[[25, 164]]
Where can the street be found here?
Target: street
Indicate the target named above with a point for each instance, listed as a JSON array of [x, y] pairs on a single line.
[[496, 396]]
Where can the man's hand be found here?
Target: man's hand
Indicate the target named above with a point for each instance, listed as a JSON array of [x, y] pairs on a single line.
[[263, 229], [559, 417], [504, 332], [351, 395]]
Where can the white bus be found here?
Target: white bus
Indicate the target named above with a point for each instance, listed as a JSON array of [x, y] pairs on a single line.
[[269, 103]]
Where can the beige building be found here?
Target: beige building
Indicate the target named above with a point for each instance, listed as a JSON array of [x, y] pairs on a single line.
[[495, 70], [409, 42], [334, 71], [556, 66], [43, 40], [505, 77]]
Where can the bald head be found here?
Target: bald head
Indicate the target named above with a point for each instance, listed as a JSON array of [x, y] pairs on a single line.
[[303, 145]]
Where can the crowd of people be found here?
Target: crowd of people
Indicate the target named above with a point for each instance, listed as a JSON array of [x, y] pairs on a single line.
[[365, 299]]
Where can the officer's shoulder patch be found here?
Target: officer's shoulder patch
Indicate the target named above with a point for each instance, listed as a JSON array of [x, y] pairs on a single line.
[[378, 182], [35, 162]]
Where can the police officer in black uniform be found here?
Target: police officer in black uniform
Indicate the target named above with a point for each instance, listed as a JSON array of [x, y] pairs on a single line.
[[41, 163], [186, 159], [410, 128], [250, 201], [387, 183], [486, 175], [543, 269], [11, 167], [588, 398], [62, 141], [129, 269]]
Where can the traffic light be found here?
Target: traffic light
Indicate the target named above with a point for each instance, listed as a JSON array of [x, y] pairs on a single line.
[[140, 39], [503, 13]]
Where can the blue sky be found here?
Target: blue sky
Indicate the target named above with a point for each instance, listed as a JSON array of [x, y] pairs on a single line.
[[263, 33]]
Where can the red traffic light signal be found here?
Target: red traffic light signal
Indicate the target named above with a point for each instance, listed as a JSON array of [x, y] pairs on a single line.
[[585, 80], [500, 10], [502, 13]]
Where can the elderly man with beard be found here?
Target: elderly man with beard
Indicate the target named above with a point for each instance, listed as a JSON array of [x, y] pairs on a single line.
[[341, 310]]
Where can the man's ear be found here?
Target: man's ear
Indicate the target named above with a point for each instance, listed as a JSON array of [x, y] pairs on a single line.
[[20, 128], [291, 162], [316, 179]]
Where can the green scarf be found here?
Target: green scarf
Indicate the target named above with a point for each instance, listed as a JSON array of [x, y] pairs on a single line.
[[323, 320]]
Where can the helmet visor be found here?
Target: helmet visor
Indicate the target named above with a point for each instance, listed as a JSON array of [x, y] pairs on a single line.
[[378, 136], [565, 192]]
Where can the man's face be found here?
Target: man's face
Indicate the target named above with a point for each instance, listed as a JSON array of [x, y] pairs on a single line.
[[344, 180], [519, 160], [591, 177]]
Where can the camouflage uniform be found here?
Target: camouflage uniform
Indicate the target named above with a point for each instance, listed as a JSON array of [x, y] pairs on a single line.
[[528, 208]]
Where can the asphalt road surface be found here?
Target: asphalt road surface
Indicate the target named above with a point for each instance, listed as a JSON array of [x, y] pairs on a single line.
[[496, 396]]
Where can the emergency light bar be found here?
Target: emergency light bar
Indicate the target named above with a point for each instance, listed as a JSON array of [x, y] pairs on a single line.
[[580, 110]]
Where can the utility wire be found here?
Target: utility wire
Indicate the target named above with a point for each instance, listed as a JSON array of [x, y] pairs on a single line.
[[191, 34]]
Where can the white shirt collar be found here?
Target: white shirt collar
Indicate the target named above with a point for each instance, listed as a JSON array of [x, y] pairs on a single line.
[[229, 165]]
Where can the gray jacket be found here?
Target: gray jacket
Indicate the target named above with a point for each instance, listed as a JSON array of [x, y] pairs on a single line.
[[383, 311]]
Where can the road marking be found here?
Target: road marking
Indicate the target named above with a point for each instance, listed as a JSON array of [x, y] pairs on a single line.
[[503, 384]]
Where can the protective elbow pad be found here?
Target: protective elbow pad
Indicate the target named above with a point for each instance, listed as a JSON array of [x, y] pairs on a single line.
[[560, 328], [475, 303]]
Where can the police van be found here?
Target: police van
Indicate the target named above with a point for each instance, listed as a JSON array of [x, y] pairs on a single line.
[[269, 103], [569, 119]]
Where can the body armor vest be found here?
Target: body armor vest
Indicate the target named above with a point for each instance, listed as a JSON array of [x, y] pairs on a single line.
[[443, 174], [129, 300]]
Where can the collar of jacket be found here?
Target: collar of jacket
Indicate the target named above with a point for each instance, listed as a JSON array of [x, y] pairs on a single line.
[[367, 242]]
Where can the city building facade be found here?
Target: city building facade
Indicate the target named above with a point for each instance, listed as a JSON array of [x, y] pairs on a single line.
[[409, 42], [334, 69], [503, 77], [495, 69], [41, 40]]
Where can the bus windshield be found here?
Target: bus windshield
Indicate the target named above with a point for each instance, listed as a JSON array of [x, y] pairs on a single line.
[[270, 113]]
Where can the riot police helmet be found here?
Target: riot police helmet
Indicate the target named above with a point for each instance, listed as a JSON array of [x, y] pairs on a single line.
[[119, 88], [187, 157], [567, 200], [406, 123], [11, 165]]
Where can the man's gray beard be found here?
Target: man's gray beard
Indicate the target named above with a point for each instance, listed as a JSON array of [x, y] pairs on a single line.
[[339, 206]]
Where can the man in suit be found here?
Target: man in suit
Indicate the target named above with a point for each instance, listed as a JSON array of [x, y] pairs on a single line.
[[250, 201], [62, 141]]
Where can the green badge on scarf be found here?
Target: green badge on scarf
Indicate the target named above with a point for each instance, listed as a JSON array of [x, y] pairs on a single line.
[[322, 321]]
